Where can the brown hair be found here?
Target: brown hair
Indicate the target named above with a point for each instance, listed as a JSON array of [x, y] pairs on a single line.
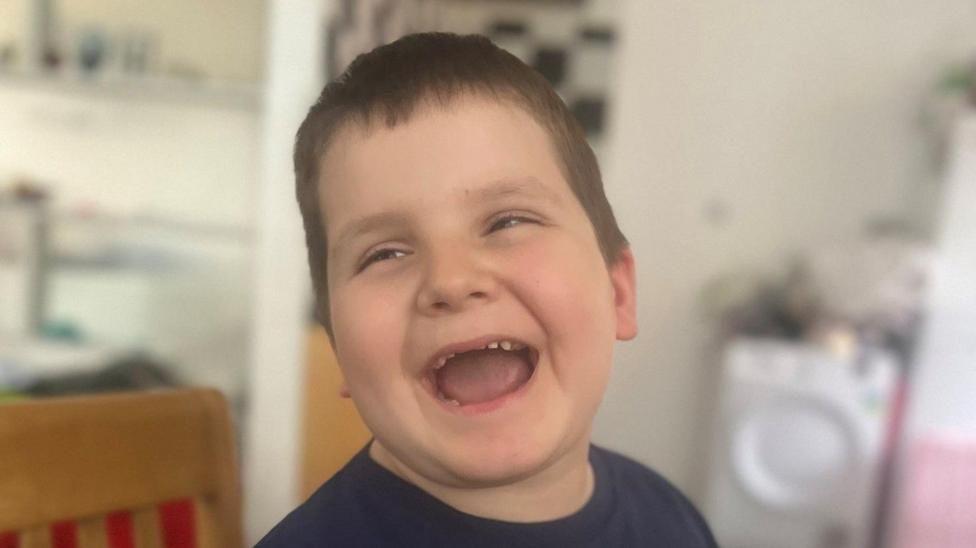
[[388, 83]]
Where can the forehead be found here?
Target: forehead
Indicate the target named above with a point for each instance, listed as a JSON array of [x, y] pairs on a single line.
[[440, 157]]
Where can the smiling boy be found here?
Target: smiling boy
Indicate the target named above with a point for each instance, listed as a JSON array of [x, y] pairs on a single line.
[[473, 281]]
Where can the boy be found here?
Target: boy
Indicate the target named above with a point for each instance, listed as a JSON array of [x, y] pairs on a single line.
[[473, 281]]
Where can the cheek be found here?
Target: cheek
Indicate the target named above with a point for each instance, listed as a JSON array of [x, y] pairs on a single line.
[[570, 290], [369, 336], [571, 297]]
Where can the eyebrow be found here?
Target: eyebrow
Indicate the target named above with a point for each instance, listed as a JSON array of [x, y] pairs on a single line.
[[492, 191], [525, 186], [366, 224]]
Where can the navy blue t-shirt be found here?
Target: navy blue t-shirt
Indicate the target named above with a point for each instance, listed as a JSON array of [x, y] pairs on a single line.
[[365, 505]]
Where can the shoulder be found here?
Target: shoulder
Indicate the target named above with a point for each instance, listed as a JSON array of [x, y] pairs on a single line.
[[648, 498], [332, 516], [630, 474]]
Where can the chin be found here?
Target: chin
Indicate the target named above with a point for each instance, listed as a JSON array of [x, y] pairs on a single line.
[[500, 462]]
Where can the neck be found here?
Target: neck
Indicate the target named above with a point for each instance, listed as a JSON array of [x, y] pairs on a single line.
[[557, 491]]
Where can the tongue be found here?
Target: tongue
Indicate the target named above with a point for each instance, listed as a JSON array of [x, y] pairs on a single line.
[[483, 375]]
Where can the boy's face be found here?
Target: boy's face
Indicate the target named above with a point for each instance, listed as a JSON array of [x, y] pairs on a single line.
[[454, 230]]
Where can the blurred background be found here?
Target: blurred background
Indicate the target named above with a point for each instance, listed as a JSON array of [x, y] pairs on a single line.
[[797, 179]]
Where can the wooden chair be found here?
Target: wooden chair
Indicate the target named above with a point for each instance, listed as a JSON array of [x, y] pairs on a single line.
[[135, 470], [332, 431]]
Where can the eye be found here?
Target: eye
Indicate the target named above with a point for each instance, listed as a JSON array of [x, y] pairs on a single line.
[[381, 255], [509, 220]]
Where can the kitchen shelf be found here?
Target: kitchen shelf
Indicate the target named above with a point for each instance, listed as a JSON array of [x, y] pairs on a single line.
[[215, 93]]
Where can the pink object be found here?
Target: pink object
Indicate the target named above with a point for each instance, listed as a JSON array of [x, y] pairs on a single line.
[[938, 507]]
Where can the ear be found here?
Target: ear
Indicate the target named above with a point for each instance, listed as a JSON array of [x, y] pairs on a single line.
[[344, 390], [623, 279]]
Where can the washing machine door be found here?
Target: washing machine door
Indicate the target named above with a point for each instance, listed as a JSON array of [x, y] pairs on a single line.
[[794, 453]]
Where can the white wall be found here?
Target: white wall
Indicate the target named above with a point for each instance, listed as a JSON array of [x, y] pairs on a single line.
[[295, 73], [944, 392], [795, 119]]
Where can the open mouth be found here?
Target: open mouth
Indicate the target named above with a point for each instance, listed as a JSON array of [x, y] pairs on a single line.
[[483, 374]]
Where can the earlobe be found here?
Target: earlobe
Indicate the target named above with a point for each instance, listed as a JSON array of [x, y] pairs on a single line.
[[344, 391], [623, 278]]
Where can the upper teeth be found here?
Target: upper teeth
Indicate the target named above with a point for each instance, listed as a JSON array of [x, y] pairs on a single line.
[[504, 345]]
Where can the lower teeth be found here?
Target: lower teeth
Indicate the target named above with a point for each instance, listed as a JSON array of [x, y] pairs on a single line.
[[445, 399]]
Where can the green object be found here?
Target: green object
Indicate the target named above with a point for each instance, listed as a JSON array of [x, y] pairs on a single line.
[[61, 331], [7, 397], [959, 78]]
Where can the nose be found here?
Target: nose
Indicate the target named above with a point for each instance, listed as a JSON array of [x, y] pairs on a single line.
[[455, 279]]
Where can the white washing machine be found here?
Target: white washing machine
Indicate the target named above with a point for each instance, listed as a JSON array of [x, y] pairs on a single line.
[[797, 449]]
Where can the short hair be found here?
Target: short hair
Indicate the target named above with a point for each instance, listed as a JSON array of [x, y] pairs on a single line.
[[387, 84]]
